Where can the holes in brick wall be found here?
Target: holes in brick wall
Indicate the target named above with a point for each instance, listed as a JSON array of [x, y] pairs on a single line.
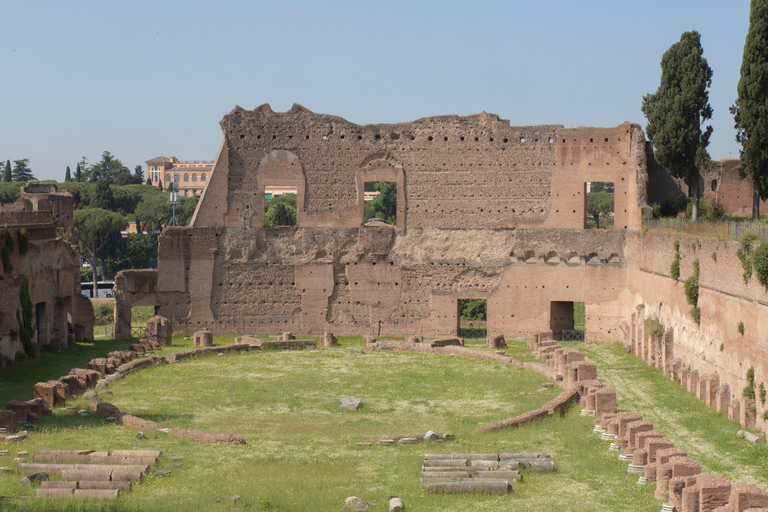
[[522, 140], [429, 138], [325, 137], [445, 139], [394, 136]]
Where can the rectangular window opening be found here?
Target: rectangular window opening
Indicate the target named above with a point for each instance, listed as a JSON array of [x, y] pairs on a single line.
[[566, 319], [473, 319], [279, 206], [599, 199], [139, 317], [380, 202]]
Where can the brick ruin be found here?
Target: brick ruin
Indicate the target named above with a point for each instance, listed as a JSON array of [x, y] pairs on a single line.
[[484, 210], [51, 267]]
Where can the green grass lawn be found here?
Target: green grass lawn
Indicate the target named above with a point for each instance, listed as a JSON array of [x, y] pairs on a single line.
[[704, 433], [301, 452]]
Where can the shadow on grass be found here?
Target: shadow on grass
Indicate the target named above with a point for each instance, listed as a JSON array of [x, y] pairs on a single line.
[[16, 382]]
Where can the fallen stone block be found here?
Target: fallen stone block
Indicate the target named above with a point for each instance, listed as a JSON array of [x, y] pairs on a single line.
[[55, 493], [101, 484], [482, 486], [350, 404], [58, 484], [137, 453], [97, 494], [203, 338], [95, 473]]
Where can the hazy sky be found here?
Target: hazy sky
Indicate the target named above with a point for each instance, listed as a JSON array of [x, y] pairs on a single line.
[[141, 79]]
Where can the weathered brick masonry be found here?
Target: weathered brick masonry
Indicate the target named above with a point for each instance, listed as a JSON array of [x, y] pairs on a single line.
[[485, 210]]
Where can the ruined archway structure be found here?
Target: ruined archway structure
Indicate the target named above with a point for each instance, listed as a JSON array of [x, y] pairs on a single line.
[[485, 210]]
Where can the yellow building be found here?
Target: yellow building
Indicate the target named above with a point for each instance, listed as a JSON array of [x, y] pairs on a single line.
[[193, 176]]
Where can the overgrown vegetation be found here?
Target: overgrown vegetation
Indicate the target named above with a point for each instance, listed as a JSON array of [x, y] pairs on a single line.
[[740, 328], [473, 309], [692, 292], [280, 210], [384, 205], [674, 269], [22, 238], [24, 317], [745, 254], [692, 285], [749, 389], [760, 263], [762, 393], [653, 327]]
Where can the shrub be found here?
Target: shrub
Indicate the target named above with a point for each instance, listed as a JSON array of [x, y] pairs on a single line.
[[760, 263], [674, 269], [714, 257], [653, 327], [692, 289], [676, 245], [762, 393], [22, 237], [24, 317], [656, 208], [749, 389], [707, 209], [696, 314], [8, 239], [745, 254], [7, 265], [722, 347], [740, 328]]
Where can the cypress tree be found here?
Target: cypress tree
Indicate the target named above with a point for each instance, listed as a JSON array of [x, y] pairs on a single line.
[[677, 111], [78, 174], [102, 196], [7, 173], [750, 112], [67, 175]]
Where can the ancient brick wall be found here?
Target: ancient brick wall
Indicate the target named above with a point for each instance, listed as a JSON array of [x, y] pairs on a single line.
[[715, 346], [484, 210], [452, 172], [51, 268]]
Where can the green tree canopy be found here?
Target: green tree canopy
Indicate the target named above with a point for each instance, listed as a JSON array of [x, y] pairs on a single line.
[[599, 203], [750, 112], [7, 176], [383, 206], [138, 175], [97, 233], [677, 111], [280, 210], [21, 171], [102, 196], [109, 169]]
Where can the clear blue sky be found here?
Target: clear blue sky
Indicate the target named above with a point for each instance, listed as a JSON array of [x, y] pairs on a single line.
[[141, 79]]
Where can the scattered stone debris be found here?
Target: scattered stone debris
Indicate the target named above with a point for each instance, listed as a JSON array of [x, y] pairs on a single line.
[[351, 404], [356, 504], [496, 473], [396, 504], [86, 473]]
